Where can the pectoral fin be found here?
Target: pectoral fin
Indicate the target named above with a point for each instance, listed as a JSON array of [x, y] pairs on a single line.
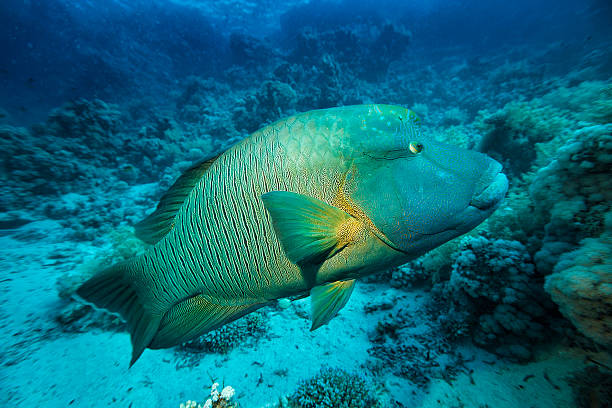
[[327, 300], [309, 230]]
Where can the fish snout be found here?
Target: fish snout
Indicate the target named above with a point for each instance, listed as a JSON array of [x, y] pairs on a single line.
[[491, 188]]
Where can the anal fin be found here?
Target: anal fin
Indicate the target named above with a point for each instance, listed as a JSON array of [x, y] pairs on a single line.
[[327, 300], [195, 316]]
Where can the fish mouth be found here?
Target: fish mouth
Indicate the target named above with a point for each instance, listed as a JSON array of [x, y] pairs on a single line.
[[495, 187]]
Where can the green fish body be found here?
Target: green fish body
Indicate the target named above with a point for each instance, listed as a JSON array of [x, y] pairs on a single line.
[[309, 203]]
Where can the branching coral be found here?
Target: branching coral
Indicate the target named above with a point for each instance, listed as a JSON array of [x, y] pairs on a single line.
[[494, 293], [335, 388]]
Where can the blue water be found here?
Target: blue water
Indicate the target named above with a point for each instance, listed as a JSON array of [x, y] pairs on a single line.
[[103, 104]]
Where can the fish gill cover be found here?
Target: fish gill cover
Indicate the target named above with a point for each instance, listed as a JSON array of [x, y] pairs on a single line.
[[103, 105]]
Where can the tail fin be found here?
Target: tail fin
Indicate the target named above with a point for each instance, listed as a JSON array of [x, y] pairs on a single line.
[[112, 289]]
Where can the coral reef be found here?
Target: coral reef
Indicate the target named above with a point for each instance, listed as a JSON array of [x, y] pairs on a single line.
[[573, 193], [84, 152], [546, 123], [336, 388], [408, 275], [589, 102], [74, 147], [362, 42], [183, 80], [581, 285], [273, 100], [200, 109], [494, 294], [510, 133]]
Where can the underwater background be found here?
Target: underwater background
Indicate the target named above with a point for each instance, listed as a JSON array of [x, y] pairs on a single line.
[[104, 103]]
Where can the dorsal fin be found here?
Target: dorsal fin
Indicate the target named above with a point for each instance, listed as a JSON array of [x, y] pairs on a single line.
[[161, 221]]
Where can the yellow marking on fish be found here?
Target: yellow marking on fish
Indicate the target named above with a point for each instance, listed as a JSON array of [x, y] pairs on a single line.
[[345, 203], [348, 230]]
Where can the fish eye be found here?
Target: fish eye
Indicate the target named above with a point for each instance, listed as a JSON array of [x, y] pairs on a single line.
[[416, 147]]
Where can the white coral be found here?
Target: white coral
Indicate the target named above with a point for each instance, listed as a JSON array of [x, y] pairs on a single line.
[[214, 392], [227, 393]]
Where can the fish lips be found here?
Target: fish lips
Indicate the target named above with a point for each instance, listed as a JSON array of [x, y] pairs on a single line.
[[482, 204], [492, 195]]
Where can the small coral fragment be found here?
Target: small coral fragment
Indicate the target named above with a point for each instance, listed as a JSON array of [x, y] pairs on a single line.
[[217, 399]]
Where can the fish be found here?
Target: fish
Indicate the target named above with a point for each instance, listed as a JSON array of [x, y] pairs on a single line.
[[304, 206]]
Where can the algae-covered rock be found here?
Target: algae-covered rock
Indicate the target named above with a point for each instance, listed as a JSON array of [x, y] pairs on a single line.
[[582, 286]]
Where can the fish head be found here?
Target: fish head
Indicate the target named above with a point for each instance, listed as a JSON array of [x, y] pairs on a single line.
[[417, 192]]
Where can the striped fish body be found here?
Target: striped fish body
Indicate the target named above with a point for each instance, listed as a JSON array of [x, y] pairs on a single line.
[[223, 247], [286, 211]]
